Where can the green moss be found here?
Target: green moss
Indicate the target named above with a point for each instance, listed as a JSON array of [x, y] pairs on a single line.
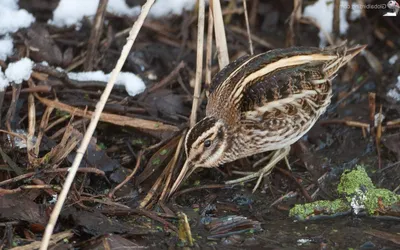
[[303, 211], [377, 198], [351, 181], [357, 187]]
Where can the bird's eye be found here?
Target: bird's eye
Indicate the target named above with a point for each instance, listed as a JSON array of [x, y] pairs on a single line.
[[207, 143]]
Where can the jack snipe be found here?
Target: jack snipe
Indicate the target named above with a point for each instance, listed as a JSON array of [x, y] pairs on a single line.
[[262, 103]]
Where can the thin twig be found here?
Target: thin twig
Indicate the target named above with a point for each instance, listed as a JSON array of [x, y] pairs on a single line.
[[378, 138], [92, 126], [255, 38], [336, 19], [171, 166], [95, 35], [110, 118], [129, 177], [199, 63], [246, 17], [168, 78], [53, 171], [372, 111], [209, 46], [31, 127]]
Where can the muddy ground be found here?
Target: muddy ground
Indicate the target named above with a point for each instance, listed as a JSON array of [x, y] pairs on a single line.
[[102, 217]]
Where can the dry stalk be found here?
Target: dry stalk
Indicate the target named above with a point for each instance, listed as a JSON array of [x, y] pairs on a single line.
[[43, 125], [220, 37], [336, 19], [95, 35], [378, 137], [372, 110], [54, 239], [129, 177], [31, 127], [47, 126], [160, 179], [294, 17], [171, 166], [92, 126], [254, 12], [209, 42], [246, 17], [151, 192], [110, 118], [199, 62]]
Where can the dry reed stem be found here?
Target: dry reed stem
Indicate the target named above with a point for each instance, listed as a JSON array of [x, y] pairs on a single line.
[[171, 165], [199, 62], [31, 128], [150, 193], [220, 37], [92, 126], [53, 171], [54, 239], [209, 46], [110, 118], [60, 120], [246, 17]]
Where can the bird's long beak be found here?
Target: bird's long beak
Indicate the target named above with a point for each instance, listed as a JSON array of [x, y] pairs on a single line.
[[352, 52], [186, 171]]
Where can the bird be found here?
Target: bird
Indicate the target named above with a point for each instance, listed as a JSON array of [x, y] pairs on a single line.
[[393, 5], [260, 103]]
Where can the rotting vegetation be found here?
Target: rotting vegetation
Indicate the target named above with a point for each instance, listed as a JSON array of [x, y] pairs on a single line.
[[120, 197]]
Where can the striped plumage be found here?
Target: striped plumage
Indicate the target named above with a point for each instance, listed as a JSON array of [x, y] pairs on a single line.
[[261, 103]]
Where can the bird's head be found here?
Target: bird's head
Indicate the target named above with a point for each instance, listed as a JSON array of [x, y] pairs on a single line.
[[392, 5], [205, 147]]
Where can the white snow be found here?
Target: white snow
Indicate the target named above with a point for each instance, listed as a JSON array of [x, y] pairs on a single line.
[[70, 12], [395, 92], [3, 81], [12, 18], [6, 47], [133, 84], [322, 12], [19, 71], [167, 7]]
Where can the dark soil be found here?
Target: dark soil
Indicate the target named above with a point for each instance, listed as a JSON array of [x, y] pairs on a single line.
[[317, 160]]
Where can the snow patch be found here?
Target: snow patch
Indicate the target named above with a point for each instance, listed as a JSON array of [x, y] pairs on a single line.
[[6, 47], [3, 81], [322, 12], [395, 92], [133, 84], [12, 18], [70, 12], [19, 71]]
